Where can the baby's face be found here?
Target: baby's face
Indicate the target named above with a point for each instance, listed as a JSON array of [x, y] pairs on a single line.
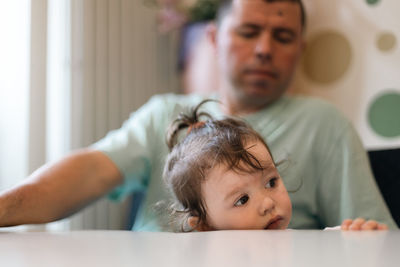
[[252, 200]]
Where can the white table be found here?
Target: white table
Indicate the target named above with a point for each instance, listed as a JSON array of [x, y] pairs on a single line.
[[223, 248]]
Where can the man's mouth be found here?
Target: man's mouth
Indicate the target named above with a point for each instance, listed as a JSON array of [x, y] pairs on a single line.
[[274, 223], [262, 73]]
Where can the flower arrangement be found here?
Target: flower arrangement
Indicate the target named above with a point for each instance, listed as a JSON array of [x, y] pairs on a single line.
[[173, 14]]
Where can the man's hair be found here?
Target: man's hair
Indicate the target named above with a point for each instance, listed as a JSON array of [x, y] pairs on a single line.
[[206, 144], [226, 5]]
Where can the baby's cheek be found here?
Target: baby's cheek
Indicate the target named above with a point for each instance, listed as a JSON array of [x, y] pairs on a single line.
[[287, 203]]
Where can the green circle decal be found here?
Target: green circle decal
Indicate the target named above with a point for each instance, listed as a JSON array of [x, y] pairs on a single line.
[[384, 115], [372, 2]]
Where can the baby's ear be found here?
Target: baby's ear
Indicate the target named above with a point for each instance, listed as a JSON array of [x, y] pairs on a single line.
[[194, 224]]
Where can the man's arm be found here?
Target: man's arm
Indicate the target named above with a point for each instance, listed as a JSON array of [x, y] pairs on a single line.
[[57, 190]]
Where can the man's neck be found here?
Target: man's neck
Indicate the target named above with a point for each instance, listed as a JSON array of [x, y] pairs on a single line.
[[233, 107]]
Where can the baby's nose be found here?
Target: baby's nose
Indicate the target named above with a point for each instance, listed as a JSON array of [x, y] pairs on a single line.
[[266, 205]]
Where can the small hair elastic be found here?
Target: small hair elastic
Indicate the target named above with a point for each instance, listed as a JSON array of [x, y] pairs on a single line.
[[196, 125]]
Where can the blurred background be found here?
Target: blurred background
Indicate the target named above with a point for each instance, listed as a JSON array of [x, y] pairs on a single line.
[[71, 70]]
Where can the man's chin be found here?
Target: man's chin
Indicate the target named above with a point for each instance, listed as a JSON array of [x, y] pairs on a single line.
[[258, 97], [253, 103], [261, 93]]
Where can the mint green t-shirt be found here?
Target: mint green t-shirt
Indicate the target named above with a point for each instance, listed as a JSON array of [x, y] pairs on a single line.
[[325, 167]]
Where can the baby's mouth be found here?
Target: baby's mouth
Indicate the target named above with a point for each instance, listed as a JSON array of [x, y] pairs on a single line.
[[274, 223]]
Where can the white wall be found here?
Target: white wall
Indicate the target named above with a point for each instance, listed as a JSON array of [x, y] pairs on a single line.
[[352, 60]]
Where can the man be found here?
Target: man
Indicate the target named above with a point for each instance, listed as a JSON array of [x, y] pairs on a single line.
[[258, 44]]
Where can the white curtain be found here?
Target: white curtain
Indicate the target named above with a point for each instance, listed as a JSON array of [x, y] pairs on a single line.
[[93, 62], [14, 83]]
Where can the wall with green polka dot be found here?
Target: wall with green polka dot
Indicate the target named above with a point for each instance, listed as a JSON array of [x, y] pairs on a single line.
[[384, 114], [352, 59], [372, 2]]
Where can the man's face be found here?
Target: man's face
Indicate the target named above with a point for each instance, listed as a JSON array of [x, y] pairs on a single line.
[[246, 200], [258, 46]]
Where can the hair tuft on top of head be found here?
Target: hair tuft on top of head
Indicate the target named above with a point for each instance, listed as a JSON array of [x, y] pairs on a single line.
[[189, 120]]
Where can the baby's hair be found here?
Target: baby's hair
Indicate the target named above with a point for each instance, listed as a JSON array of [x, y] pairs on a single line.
[[206, 144]]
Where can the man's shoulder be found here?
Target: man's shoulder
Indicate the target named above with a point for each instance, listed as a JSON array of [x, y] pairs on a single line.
[[163, 108], [173, 101], [314, 108], [175, 98], [320, 117], [310, 103]]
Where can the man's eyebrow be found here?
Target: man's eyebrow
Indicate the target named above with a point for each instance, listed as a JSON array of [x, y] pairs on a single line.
[[249, 25], [285, 29]]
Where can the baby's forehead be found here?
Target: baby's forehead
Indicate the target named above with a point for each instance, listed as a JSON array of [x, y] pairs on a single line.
[[223, 178], [242, 168], [260, 150]]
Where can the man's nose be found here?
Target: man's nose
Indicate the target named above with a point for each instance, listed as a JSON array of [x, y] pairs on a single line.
[[266, 205], [263, 49]]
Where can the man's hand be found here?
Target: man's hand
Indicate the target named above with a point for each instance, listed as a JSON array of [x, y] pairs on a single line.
[[361, 224]]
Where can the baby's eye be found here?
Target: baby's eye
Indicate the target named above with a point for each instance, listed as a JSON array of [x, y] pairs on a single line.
[[242, 201], [271, 183]]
